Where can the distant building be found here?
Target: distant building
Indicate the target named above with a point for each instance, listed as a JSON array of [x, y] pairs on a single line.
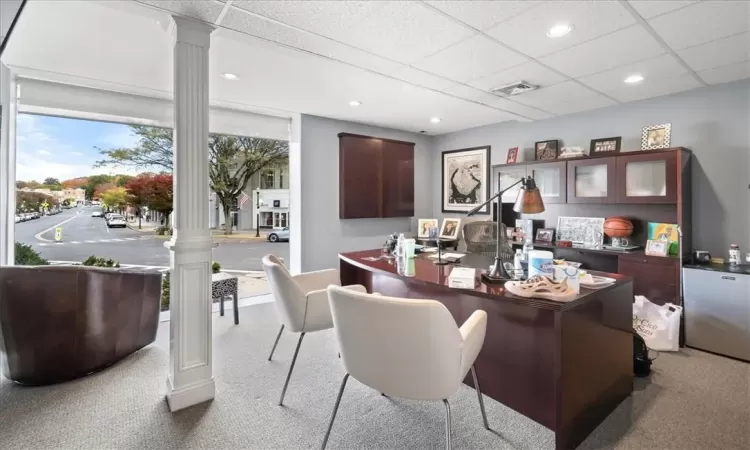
[[78, 195]]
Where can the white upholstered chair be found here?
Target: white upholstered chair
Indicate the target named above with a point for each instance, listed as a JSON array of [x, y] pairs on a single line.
[[405, 348], [301, 302]]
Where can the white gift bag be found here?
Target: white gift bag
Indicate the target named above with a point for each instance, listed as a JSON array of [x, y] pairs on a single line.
[[658, 325]]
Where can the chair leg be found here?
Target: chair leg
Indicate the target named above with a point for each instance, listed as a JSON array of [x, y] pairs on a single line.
[[335, 409], [291, 368], [447, 424], [276, 343], [236, 309], [479, 396], [221, 306]]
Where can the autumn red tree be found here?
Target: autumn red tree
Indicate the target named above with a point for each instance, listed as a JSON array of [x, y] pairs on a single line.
[[140, 190], [160, 198], [75, 183]]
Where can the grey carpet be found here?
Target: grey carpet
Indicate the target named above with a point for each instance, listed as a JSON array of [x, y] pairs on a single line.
[[694, 400]]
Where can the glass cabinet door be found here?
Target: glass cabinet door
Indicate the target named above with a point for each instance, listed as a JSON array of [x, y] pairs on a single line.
[[508, 176], [550, 179], [647, 178], [591, 180]]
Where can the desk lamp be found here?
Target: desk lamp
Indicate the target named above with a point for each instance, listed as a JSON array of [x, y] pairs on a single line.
[[529, 201]]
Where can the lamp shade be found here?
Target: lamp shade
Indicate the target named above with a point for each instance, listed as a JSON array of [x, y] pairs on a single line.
[[529, 199]]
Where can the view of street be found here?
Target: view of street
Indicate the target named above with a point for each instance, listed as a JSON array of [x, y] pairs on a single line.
[[84, 235]]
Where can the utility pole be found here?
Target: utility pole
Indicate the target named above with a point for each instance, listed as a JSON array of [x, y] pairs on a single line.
[[257, 212]]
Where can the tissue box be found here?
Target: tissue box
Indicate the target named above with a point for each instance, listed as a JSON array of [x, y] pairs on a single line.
[[462, 277]]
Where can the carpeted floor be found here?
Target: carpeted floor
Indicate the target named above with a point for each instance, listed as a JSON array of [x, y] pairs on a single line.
[[694, 400]]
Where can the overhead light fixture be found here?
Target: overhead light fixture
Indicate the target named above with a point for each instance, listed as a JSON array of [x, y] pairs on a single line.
[[559, 30], [355, 103], [633, 79], [435, 120], [230, 76]]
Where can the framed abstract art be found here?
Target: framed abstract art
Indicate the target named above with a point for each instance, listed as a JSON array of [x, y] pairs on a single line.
[[466, 179]]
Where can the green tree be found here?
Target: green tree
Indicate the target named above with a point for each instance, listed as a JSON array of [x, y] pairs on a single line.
[[232, 160], [116, 197], [51, 181], [94, 182]]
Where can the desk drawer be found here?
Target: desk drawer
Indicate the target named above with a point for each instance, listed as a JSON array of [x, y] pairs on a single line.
[[657, 282]]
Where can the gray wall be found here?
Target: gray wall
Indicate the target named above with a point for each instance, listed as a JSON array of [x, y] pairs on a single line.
[[713, 122], [324, 235]]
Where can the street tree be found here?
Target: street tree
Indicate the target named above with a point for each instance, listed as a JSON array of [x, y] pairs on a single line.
[[154, 150], [116, 197], [161, 197], [94, 182], [139, 192]]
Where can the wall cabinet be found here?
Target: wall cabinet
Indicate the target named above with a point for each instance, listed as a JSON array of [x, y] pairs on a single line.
[[647, 178], [507, 175], [376, 177], [551, 179], [592, 180], [656, 278]]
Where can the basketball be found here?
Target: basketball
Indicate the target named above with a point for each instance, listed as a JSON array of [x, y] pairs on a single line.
[[618, 226]]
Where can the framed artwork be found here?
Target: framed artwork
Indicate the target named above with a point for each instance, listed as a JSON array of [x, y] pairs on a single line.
[[466, 180], [449, 230], [545, 235], [657, 248], [605, 145], [424, 227], [664, 232], [512, 155], [656, 136], [546, 150]]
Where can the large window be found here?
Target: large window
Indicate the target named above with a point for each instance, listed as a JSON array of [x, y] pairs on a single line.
[[267, 179]]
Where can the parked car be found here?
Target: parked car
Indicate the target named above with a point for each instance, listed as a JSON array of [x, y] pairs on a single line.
[[18, 218], [278, 234], [116, 220], [97, 214]]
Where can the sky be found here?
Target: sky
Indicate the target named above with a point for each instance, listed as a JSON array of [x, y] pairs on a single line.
[[64, 148]]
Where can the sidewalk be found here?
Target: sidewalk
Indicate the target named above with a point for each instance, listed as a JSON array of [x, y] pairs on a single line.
[[219, 235], [146, 227]]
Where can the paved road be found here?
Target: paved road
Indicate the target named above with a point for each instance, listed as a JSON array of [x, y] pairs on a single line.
[[84, 236]]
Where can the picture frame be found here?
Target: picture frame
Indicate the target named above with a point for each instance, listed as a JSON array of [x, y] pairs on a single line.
[[545, 235], [655, 137], [450, 228], [546, 150], [424, 226], [605, 145], [657, 247], [466, 179], [512, 156]]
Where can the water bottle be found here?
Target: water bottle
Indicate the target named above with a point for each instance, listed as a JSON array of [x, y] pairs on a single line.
[[517, 266], [400, 246]]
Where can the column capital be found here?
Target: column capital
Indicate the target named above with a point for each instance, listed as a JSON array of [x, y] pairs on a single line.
[[191, 31]]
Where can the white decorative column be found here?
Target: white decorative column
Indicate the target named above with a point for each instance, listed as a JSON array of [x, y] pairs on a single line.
[[190, 378], [8, 111]]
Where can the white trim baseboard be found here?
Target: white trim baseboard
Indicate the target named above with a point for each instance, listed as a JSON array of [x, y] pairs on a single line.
[[194, 394]]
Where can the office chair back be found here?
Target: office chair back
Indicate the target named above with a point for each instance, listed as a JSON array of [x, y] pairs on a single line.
[[288, 296]]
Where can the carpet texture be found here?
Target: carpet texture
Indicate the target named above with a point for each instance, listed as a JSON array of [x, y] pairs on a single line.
[[693, 400]]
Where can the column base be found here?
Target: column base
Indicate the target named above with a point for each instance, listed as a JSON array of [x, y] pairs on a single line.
[[186, 396]]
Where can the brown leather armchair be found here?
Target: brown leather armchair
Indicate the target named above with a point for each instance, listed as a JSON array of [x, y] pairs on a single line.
[[58, 323]]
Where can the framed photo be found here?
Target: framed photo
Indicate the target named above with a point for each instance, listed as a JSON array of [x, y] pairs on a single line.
[[656, 136], [605, 145], [449, 230], [466, 180], [657, 248], [512, 155], [546, 150], [545, 235], [424, 227]]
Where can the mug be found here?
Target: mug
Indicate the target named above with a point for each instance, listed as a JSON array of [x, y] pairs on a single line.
[[619, 242]]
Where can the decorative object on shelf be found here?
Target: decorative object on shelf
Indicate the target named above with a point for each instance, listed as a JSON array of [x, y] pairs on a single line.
[[657, 247], [424, 226], [546, 150], [618, 228], [449, 230], [735, 256], [587, 231], [664, 232], [520, 230], [512, 155], [572, 152], [656, 136], [564, 243], [545, 235], [466, 180], [605, 145]]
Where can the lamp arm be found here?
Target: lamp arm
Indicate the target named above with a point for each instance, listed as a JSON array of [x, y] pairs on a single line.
[[476, 210]]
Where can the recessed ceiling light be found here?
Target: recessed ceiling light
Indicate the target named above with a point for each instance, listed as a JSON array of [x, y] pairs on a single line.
[[355, 103], [559, 30], [633, 79], [435, 120], [230, 76]]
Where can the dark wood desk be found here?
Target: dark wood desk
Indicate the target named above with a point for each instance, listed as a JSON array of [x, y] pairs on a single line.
[[564, 365]]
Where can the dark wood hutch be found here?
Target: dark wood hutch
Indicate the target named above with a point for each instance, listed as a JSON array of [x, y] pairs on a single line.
[[645, 186]]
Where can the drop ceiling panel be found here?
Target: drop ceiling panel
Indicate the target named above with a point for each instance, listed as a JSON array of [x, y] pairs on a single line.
[[726, 74], [469, 59], [422, 78], [721, 52], [554, 97], [517, 108], [660, 68], [531, 72], [199, 9], [590, 19], [470, 93], [652, 8], [482, 15], [258, 26], [586, 103], [654, 87], [702, 22], [614, 50], [405, 31]]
